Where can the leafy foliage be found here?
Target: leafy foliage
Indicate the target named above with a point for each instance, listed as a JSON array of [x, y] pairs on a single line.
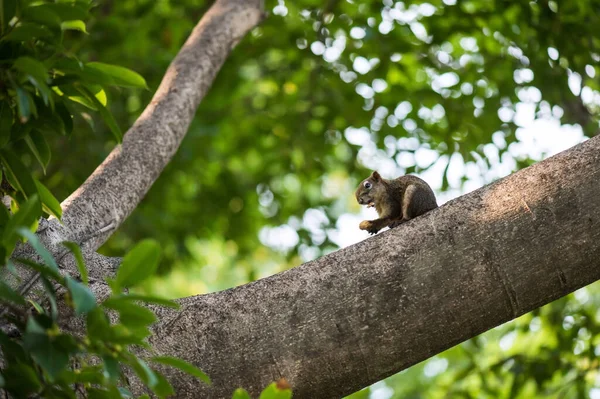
[[41, 359], [43, 87]]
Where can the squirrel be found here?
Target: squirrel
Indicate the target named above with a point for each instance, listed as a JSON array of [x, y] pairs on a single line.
[[396, 201]]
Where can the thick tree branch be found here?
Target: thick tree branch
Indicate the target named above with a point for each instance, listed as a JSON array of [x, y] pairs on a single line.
[[113, 191], [348, 319]]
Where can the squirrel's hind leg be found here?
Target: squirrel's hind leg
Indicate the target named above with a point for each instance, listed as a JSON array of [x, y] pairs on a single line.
[[416, 202], [411, 205]]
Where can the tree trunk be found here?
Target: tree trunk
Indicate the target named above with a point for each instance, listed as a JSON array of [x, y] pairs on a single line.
[[358, 315]]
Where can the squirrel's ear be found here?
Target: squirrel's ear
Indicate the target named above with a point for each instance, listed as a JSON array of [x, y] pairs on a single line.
[[376, 176]]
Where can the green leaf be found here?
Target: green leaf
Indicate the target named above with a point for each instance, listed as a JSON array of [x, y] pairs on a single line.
[[273, 392], [21, 380], [13, 352], [76, 251], [145, 373], [50, 204], [49, 287], [23, 104], [106, 115], [7, 12], [67, 63], [74, 25], [131, 314], [83, 299], [6, 121], [66, 343], [140, 263], [98, 325], [122, 76], [128, 335], [162, 388], [111, 367], [89, 374], [39, 147], [50, 357], [38, 308], [17, 174], [44, 91], [41, 14], [28, 31], [7, 294], [47, 356], [33, 67], [147, 299], [19, 130], [37, 73], [68, 11], [98, 92], [94, 76], [43, 269], [83, 100], [49, 122], [32, 105], [39, 248], [101, 96], [4, 215], [241, 394], [65, 116], [183, 366], [94, 393], [27, 214]]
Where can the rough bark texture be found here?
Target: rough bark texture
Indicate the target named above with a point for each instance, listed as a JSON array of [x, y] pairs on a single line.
[[351, 318]]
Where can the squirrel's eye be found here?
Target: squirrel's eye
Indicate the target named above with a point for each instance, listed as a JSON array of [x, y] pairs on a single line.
[[368, 185]]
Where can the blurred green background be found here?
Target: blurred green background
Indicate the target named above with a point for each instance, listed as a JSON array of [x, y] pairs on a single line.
[[460, 92]]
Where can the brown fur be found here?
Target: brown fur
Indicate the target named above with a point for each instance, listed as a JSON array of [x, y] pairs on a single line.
[[396, 200]]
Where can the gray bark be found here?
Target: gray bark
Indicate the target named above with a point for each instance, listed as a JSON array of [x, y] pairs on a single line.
[[351, 318], [358, 315]]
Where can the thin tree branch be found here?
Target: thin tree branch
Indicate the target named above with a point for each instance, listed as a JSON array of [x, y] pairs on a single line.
[[113, 191]]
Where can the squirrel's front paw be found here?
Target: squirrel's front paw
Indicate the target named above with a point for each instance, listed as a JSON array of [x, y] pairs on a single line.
[[367, 225]]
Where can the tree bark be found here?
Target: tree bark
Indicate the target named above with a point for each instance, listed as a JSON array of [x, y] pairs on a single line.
[[358, 315]]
